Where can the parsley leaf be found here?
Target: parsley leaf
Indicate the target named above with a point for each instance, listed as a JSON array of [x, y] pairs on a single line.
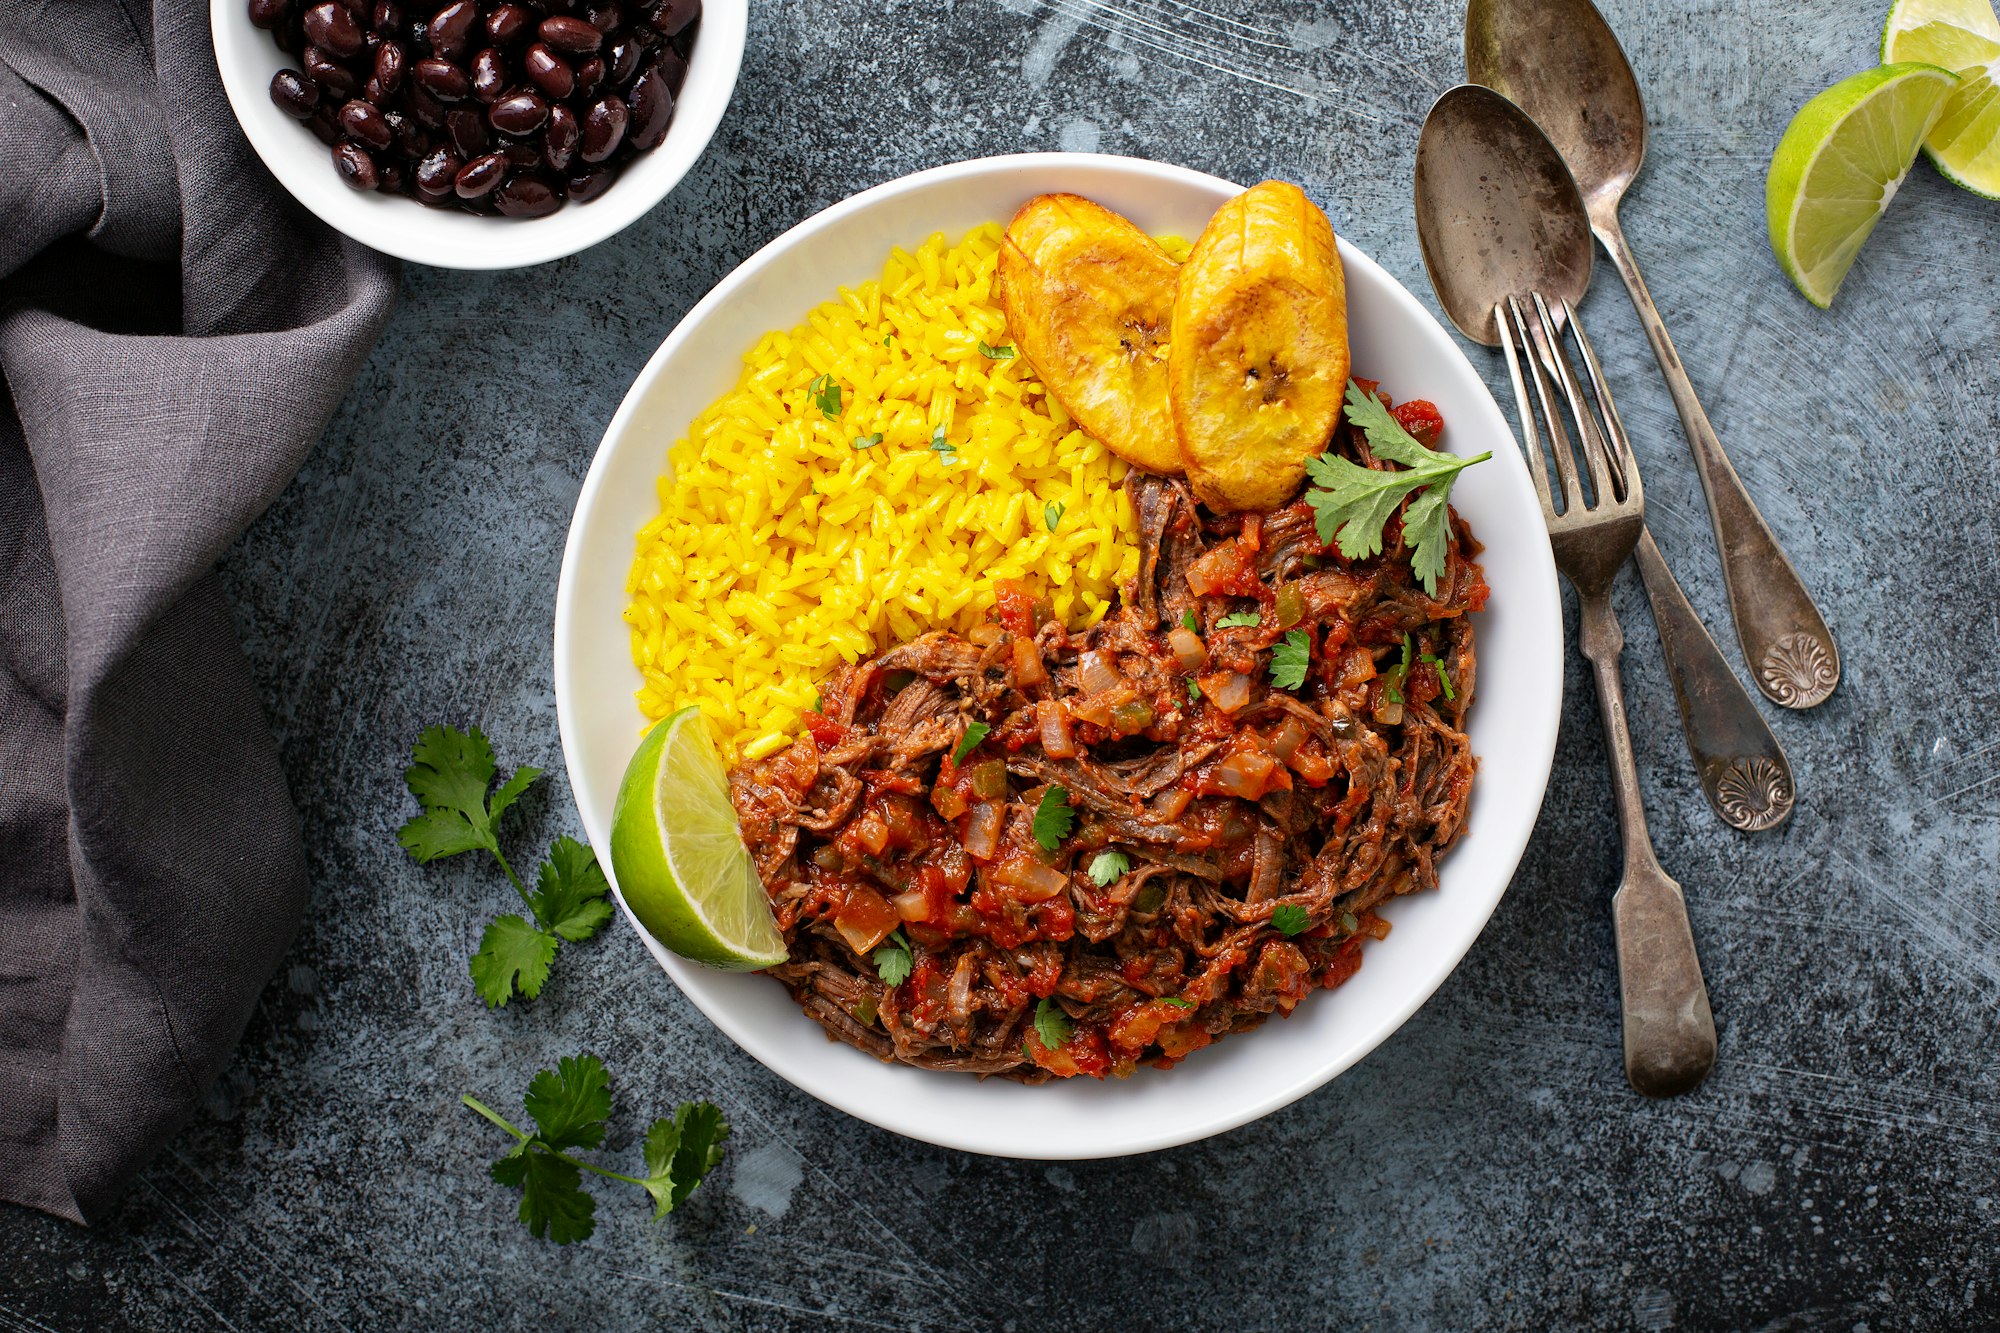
[[943, 448], [1240, 620], [892, 959], [1289, 919], [1290, 660], [1189, 623], [975, 732], [1052, 1025], [680, 1151], [1352, 503], [996, 353], [1109, 866], [868, 441], [512, 948], [569, 1105], [453, 768], [1052, 515], [825, 396], [1053, 817]]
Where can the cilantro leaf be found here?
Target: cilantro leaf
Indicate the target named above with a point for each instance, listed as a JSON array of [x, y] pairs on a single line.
[[892, 959], [1053, 817], [996, 353], [946, 451], [681, 1151], [1289, 919], [553, 1203], [825, 396], [570, 896], [1052, 515], [449, 777], [975, 732], [571, 1102], [511, 946], [1109, 866], [1240, 620], [1188, 622], [1351, 503], [1176, 1001], [868, 441], [1290, 660], [1052, 1025]]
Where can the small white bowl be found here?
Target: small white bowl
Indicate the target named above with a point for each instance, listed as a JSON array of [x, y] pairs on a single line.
[[449, 237], [1513, 723]]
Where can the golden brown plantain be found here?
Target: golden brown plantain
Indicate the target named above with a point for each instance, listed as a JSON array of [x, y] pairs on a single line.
[[1258, 364], [1088, 298]]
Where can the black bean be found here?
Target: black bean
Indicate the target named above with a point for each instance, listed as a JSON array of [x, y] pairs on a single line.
[[330, 26], [489, 75], [412, 140], [435, 174], [519, 154], [394, 180], [527, 196], [290, 37], [387, 18], [425, 109], [295, 96], [603, 15], [365, 123], [468, 131], [548, 71], [652, 109], [441, 79], [683, 41], [674, 16], [328, 73], [626, 55], [451, 27], [589, 78], [518, 113], [559, 140], [390, 66], [673, 69], [587, 186], [603, 128], [324, 126], [507, 23], [481, 176], [351, 160], [268, 14], [569, 34]]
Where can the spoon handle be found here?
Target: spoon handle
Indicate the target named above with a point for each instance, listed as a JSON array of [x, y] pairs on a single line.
[[1785, 640], [1669, 1031], [1742, 767]]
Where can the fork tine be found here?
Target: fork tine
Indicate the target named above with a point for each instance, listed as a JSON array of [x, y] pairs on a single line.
[[1531, 440], [1596, 454], [1559, 447], [1623, 461]]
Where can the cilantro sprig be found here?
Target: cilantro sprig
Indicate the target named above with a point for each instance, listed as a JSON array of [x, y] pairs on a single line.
[[1054, 818], [1289, 918], [893, 959], [1291, 659], [450, 778], [570, 1105], [825, 393], [996, 353], [1108, 867], [1052, 1025], [1351, 503], [1240, 620]]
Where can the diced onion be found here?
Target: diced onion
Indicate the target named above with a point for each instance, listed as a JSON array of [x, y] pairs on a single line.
[[912, 906], [1057, 743], [865, 920], [1289, 738], [1227, 690], [1097, 674], [1028, 668], [1244, 774], [1188, 648], [985, 635], [1031, 880], [872, 832], [982, 830], [1171, 803]]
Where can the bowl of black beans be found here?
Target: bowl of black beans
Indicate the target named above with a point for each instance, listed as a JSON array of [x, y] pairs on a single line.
[[479, 133]]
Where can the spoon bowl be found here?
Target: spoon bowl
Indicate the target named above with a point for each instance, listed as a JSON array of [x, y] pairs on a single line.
[[1498, 213]]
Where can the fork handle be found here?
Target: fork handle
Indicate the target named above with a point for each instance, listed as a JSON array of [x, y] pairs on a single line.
[[1669, 1031]]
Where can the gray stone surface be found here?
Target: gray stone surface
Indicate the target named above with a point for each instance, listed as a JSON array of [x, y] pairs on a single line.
[[1487, 1167]]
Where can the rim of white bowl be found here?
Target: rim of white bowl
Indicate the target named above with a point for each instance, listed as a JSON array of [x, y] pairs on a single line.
[[246, 58], [1378, 1027]]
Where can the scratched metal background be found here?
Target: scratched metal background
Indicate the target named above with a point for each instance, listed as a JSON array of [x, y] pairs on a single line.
[[1487, 1167]]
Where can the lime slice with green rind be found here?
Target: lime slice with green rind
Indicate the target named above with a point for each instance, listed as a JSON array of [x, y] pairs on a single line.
[[1962, 36], [679, 856], [1842, 159]]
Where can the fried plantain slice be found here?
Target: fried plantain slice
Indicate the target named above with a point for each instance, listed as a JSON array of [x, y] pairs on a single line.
[[1258, 362], [1088, 298]]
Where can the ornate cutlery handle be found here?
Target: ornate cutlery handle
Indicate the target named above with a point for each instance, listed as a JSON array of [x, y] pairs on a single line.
[[1785, 639], [1669, 1032]]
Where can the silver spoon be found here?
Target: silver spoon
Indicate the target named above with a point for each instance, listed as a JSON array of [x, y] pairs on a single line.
[[1498, 216], [1508, 249], [1558, 61]]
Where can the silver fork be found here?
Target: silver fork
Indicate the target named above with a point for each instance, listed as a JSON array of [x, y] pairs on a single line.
[[1669, 1031]]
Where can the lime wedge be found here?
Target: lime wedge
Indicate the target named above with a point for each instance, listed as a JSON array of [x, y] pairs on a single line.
[[1840, 163], [679, 857], [1962, 36]]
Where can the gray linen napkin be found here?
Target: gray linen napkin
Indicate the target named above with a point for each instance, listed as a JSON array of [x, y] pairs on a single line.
[[174, 334]]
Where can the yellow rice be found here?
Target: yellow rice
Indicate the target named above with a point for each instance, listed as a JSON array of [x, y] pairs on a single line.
[[781, 550]]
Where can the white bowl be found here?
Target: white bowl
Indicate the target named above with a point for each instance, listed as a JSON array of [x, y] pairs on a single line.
[[449, 237], [1513, 723]]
